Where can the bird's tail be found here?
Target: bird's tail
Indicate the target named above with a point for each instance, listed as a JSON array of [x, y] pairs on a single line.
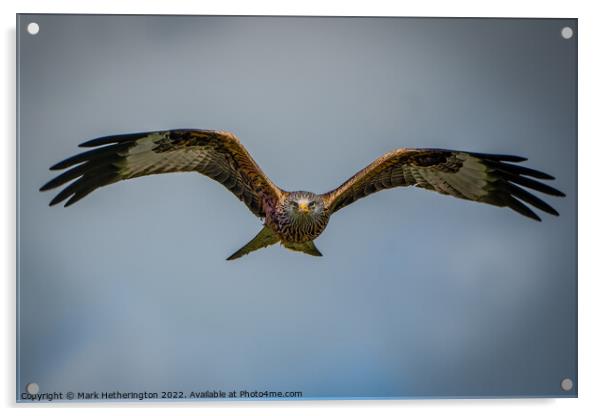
[[266, 237], [308, 248]]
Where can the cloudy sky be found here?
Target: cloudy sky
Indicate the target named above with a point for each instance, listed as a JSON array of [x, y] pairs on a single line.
[[417, 294]]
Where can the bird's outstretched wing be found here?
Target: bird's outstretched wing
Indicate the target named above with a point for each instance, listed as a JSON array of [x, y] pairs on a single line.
[[489, 178], [216, 154]]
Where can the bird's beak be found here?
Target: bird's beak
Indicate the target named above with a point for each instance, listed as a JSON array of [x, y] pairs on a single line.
[[303, 207]]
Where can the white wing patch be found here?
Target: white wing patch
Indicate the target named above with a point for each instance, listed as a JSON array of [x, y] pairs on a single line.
[[469, 181], [141, 158]]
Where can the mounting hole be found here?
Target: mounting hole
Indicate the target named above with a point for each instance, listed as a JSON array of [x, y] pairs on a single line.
[[566, 384], [33, 28], [32, 388], [566, 32]]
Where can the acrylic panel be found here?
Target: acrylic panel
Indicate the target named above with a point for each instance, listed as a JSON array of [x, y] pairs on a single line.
[[427, 275]]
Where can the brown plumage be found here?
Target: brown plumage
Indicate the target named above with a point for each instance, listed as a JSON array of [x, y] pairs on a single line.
[[295, 219]]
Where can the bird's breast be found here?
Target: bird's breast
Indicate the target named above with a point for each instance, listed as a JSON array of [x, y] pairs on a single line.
[[298, 231]]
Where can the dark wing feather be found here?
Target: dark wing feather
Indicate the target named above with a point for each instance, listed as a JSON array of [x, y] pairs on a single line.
[[480, 177], [216, 154]]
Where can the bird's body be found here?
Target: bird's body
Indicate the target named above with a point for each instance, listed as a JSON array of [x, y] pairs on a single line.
[[300, 217], [296, 219]]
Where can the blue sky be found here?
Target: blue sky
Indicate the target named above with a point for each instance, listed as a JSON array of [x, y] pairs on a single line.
[[417, 294]]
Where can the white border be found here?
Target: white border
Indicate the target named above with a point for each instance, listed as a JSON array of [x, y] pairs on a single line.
[[590, 278]]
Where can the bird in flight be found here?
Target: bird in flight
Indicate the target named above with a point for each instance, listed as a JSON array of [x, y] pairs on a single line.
[[295, 219]]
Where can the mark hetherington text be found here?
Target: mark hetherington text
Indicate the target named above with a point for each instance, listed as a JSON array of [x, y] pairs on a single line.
[[116, 395]]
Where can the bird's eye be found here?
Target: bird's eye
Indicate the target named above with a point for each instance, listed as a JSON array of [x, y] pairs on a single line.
[[312, 204], [294, 203]]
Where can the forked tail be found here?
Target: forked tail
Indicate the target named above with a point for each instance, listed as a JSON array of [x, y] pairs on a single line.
[[265, 238], [308, 248]]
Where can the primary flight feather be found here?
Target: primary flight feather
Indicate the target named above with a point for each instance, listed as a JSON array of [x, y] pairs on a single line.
[[295, 219]]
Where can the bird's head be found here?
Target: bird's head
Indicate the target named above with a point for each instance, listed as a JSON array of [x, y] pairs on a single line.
[[304, 206]]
